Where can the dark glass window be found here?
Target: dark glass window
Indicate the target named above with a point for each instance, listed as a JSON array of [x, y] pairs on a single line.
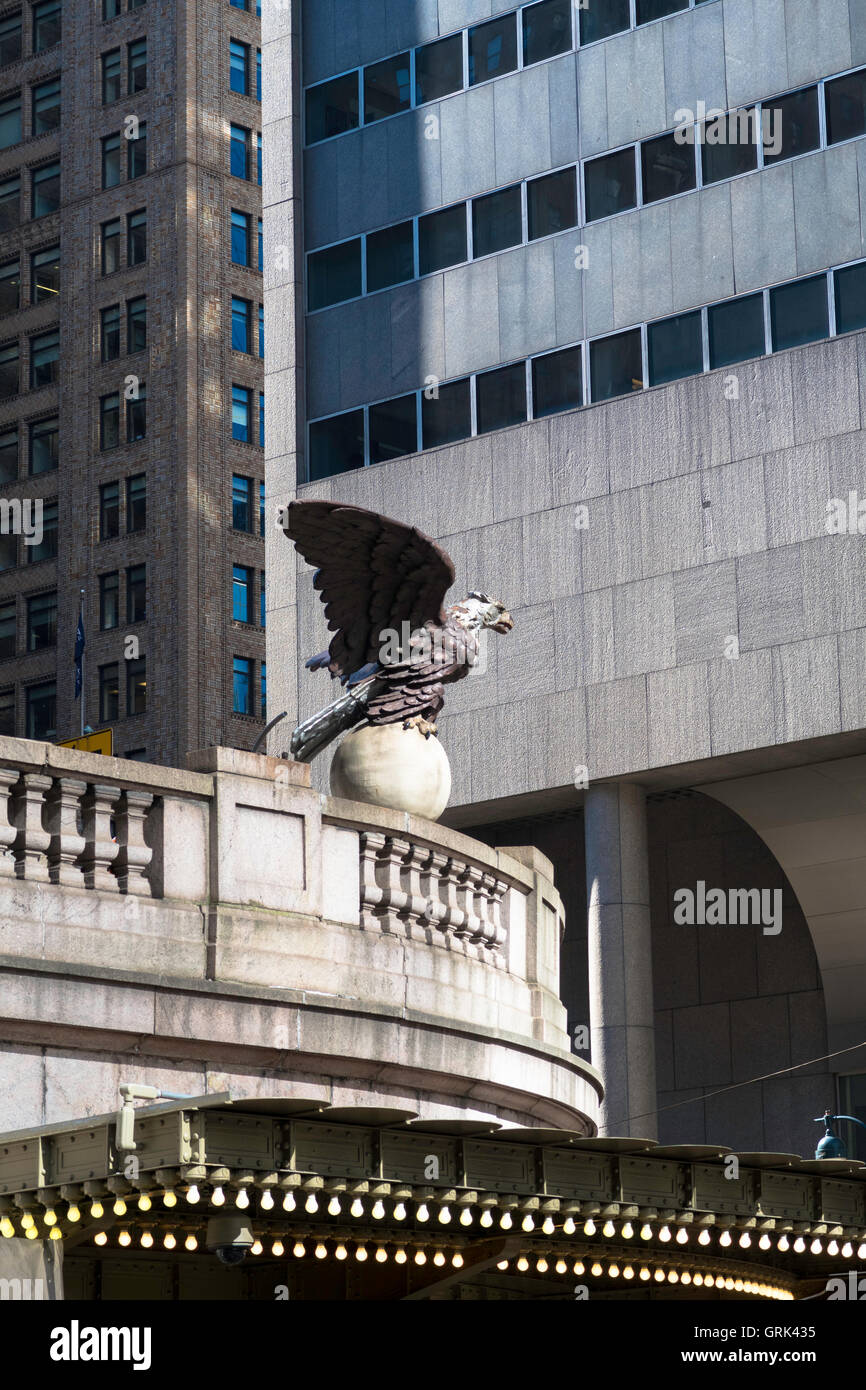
[[136, 324], [390, 256], [332, 107], [334, 274], [8, 551], [111, 161], [728, 145], [851, 298], [242, 594], [264, 690], [136, 594], [136, 66], [109, 600], [241, 324], [242, 503], [600, 18], [438, 69], [109, 421], [259, 158], [109, 332], [110, 246], [789, 125], [45, 189], [239, 152], [10, 121], [42, 711], [261, 246], [10, 38], [667, 166], [496, 221], [846, 107], [393, 429], [615, 366], [336, 445], [387, 88], [240, 242], [136, 415], [9, 455], [45, 275], [110, 9], [10, 203], [258, 74], [44, 359], [500, 398], [610, 184], [546, 30], [239, 62], [263, 607], [736, 330], [41, 622], [46, 25], [262, 422], [261, 330], [110, 76], [447, 415], [242, 685], [557, 382], [136, 686], [552, 203], [9, 368], [47, 547], [261, 504], [7, 713], [7, 629], [799, 313], [108, 692], [136, 153], [675, 348], [136, 237], [442, 239], [647, 10], [242, 411], [136, 503], [44, 445], [492, 49], [10, 287], [109, 511]]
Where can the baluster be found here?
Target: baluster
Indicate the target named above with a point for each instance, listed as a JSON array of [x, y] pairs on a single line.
[[31, 840], [134, 854], [394, 897], [433, 880], [372, 846], [100, 850], [8, 779], [414, 861], [61, 820]]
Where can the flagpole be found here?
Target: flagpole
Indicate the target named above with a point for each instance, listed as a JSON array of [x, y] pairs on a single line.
[[81, 617]]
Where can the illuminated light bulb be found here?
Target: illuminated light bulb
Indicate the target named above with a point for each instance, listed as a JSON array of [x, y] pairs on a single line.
[[745, 1241], [400, 1256], [193, 1195], [379, 1210], [289, 1202], [420, 1257], [169, 1198], [816, 1247], [299, 1249], [627, 1231], [527, 1224], [699, 1280], [503, 1264], [764, 1243], [382, 1256], [686, 1277], [256, 1248], [341, 1253], [50, 1217], [321, 1251], [833, 1248], [96, 1209], [119, 1207], [192, 1244], [646, 1231], [267, 1202], [704, 1237], [596, 1270], [6, 1228], [311, 1204], [144, 1202], [608, 1229], [218, 1197], [27, 1221], [361, 1253], [561, 1267], [466, 1217], [124, 1238], [659, 1276], [55, 1233], [146, 1239], [568, 1226], [729, 1284], [486, 1218], [589, 1227], [861, 1251], [242, 1200], [541, 1265], [628, 1272], [334, 1207], [784, 1244], [457, 1260], [505, 1221], [100, 1238], [738, 1286], [439, 1258], [522, 1263], [799, 1245], [682, 1236], [665, 1233], [547, 1226], [31, 1233], [725, 1238], [847, 1250], [578, 1268], [357, 1209], [444, 1215], [169, 1240], [613, 1271], [278, 1248], [645, 1274], [673, 1277]]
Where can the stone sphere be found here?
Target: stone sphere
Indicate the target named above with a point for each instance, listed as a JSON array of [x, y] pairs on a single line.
[[395, 767]]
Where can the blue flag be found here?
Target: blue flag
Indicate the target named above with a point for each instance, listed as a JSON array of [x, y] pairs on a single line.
[[79, 653]]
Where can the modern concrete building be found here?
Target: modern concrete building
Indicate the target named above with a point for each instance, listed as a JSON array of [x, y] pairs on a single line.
[[130, 371], [533, 294]]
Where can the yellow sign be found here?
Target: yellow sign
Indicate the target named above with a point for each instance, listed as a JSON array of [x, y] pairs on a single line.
[[100, 742]]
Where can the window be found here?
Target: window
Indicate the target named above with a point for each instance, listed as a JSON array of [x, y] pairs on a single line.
[[44, 359], [799, 313], [109, 704], [242, 408], [557, 382], [240, 4], [261, 247], [136, 153], [109, 511], [552, 203], [10, 203], [264, 689], [262, 422], [239, 65], [9, 360], [42, 709], [109, 332], [10, 121], [109, 243], [262, 603], [242, 594], [332, 107], [7, 629], [390, 256], [239, 152], [136, 755], [242, 503], [109, 601], [136, 415], [259, 158], [492, 49], [850, 290], [242, 685], [8, 552], [41, 622], [610, 184], [334, 274], [47, 547], [261, 507], [615, 365], [845, 99], [7, 713], [240, 237], [657, 9], [44, 445], [110, 76], [393, 429], [109, 421], [136, 503], [336, 445], [599, 21], [136, 594], [136, 66], [136, 237], [241, 325], [442, 239], [10, 287], [258, 74], [496, 221], [447, 417], [387, 88], [790, 125], [9, 455], [110, 9], [667, 167], [136, 324], [736, 330], [546, 30], [111, 160], [45, 275], [136, 686], [261, 330], [500, 398], [45, 189], [439, 69], [675, 348], [46, 25], [10, 38], [728, 145]]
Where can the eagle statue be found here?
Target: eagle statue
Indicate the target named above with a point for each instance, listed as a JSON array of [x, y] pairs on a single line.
[[395, 647]]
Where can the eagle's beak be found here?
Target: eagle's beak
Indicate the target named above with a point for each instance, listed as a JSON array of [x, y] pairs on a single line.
[[504, 623]]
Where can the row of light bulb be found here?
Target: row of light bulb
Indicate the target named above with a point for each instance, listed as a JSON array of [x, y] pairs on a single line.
[[645, 1274], [299, 1249]]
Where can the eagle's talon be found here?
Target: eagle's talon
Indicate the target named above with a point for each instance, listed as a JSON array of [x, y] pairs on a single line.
[[421, 724]]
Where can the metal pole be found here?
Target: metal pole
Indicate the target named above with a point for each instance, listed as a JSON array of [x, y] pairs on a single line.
[[81, 616]]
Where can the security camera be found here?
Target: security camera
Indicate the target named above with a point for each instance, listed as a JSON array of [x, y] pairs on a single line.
[[230, 1238]]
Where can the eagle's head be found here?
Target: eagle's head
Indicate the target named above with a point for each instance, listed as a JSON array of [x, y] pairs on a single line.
[[478, 611]]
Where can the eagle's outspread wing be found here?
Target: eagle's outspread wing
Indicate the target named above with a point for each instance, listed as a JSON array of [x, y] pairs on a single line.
[[373, 575]]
